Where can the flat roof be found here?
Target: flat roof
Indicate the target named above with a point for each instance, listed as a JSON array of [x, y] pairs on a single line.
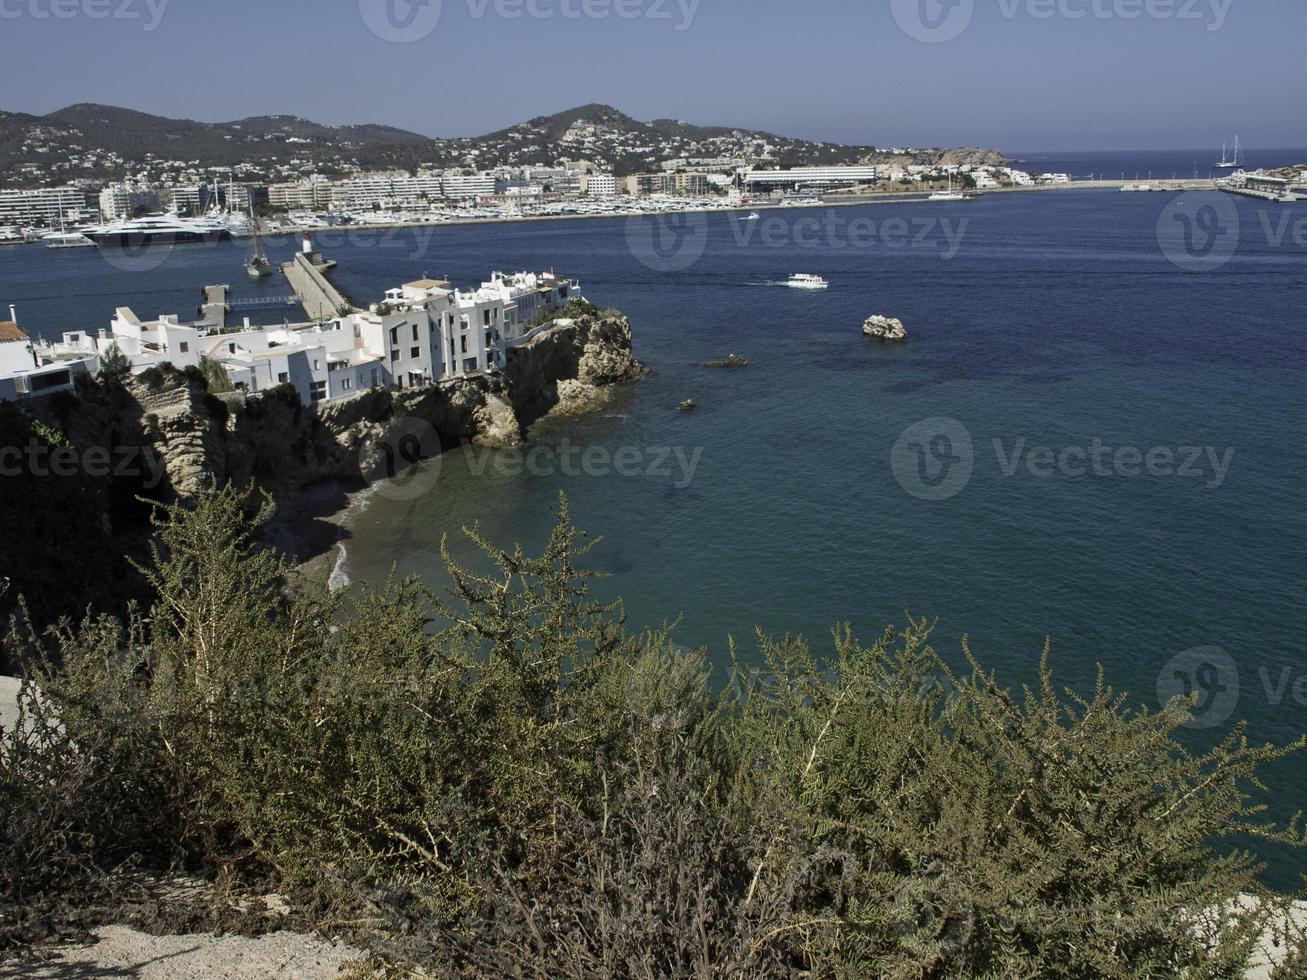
[[427, 284], [10, 333]]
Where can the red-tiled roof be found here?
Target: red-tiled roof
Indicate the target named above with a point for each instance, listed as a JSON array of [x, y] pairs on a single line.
[[10, 332]]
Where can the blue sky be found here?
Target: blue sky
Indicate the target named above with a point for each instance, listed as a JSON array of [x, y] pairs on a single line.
[[1018, 75]]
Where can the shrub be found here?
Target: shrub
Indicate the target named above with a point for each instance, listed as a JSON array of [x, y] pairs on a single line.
[[502, 780]]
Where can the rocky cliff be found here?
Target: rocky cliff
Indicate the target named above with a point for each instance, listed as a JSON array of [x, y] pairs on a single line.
[[197, 440]]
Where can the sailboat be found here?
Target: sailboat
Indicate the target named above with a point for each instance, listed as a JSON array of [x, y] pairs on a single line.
[[950, 194], [1231, 162], [257, 266], [63, 238]]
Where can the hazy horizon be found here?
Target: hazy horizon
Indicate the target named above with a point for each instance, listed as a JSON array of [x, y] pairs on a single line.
[[1018, 152], [1072, 75]]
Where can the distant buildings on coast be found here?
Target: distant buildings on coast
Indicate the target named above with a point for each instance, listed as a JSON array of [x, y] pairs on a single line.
[[505, 192]]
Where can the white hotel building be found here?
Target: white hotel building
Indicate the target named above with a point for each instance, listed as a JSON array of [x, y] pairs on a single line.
[[809, 177]]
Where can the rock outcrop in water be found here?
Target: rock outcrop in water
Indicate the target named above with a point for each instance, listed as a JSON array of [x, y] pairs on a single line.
[[885, 328], [200, 440]]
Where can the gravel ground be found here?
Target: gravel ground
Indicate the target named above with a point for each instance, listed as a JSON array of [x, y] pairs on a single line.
[[122, 952]]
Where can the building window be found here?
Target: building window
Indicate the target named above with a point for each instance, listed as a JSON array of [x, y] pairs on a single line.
[[415, 331], [394, 336], [345, 384], [283, 378], [316, 364], [394, 355], [186, 348], [319, 391], [463, 341], [415, 353]]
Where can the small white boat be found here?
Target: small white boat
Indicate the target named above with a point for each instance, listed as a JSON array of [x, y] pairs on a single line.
[[752, 216], [803, 280], [66, 239]]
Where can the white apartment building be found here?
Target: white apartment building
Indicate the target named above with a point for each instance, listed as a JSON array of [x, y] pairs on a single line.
[[365, 193], [601, 185], [123, 200], [313, 194], [803, 177], [467, 185], [43, 206]]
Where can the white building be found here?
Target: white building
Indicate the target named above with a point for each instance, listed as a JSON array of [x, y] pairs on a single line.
[[313, 194], [43, 206], [467, 185], [422, 332], [601, 185], [25, 375], [803, 177], [124, 200]]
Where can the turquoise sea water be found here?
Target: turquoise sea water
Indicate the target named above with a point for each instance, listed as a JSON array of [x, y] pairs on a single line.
[[1048, 320]]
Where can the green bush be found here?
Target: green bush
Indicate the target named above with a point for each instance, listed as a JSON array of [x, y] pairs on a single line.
[[504, 780]]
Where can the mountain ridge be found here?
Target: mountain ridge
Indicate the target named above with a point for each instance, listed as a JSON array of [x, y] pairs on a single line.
[[90, 140]]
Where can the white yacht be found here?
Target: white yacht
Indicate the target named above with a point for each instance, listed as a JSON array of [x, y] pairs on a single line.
[[803, 280], [752, 216], [66, 239], [159, 229]]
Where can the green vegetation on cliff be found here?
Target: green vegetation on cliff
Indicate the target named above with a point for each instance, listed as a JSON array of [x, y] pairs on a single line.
[[504, 780]]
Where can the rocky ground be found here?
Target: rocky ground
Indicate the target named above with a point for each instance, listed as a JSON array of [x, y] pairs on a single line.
[[121, 952]]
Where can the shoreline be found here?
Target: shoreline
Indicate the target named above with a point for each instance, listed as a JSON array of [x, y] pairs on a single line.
[[887, 197]]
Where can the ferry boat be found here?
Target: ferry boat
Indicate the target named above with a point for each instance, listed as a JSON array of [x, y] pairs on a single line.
[[159, 229], [803, 280]]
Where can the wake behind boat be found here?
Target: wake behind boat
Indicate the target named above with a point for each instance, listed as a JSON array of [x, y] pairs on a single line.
[[158, 229]]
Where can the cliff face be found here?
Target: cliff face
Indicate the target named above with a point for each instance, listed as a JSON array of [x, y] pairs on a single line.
[[567, 367], [197, 440]]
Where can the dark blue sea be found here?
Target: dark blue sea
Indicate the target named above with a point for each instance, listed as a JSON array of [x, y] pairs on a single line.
[[1094, 433]]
